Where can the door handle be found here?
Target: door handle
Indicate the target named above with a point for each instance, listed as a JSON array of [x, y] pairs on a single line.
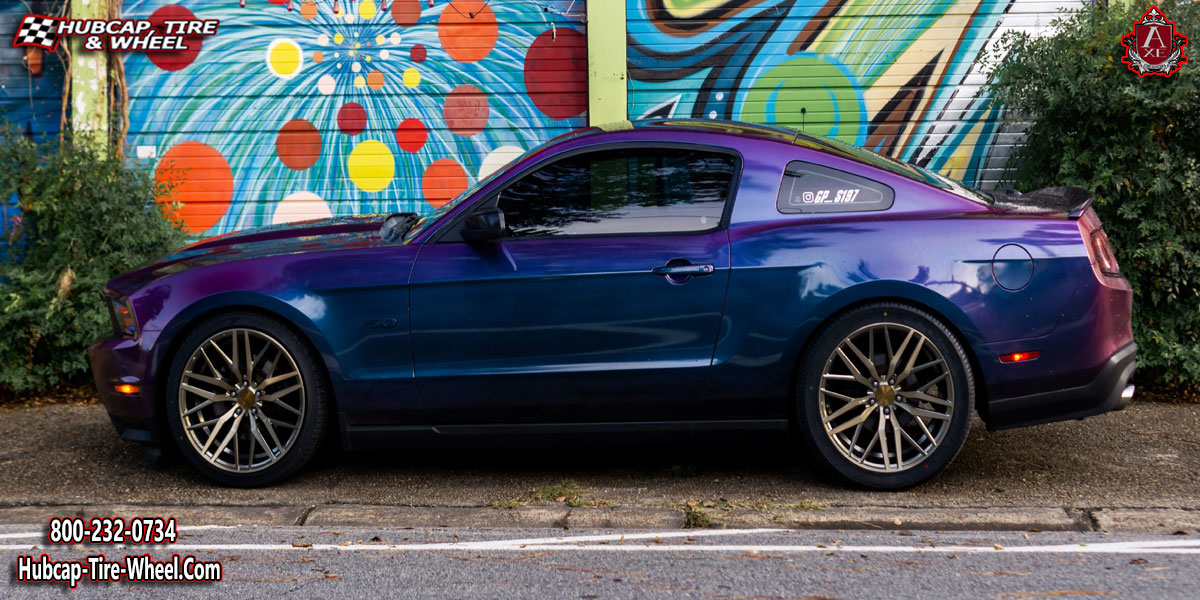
[[684, 270]]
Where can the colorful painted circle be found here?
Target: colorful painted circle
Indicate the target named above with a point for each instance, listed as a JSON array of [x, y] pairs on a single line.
[[556, 73], [375, 80], [442, 181], [308, 10], [467, 30], [352, 118], [371, 166], [412, 77], [411, 135], [406, 12], [367, 9], [833, 106], [418, 53], [284, 58], [301, 206], [499, 158], [174, 61], [198, 178], [298, 144], [326, 84], [466, 110]]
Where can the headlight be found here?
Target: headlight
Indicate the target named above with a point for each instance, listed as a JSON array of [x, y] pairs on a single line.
[[121, 311]]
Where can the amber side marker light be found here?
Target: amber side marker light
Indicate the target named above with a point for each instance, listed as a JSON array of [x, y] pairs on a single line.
[[127, 388], [1020, 356]]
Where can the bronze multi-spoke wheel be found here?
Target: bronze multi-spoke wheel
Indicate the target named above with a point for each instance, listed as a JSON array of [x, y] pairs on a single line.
[[885, 394], [246, 399]]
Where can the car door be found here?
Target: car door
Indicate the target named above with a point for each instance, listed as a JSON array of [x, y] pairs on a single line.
[[601, 302]]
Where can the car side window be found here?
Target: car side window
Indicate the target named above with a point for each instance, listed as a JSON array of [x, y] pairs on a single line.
[[621, 191], [812, 188]]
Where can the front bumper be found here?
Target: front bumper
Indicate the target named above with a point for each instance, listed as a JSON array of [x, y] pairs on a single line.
[[117, 361], [1109, 390]]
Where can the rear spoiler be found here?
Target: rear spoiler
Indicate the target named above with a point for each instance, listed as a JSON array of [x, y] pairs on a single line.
[[1070, 200]]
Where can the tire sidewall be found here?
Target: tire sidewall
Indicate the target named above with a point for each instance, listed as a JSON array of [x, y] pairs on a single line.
[[314, 409], [809, 381]]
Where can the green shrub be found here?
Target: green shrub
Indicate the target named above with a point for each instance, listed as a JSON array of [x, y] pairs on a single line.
[[1135, 142], [84, 219]]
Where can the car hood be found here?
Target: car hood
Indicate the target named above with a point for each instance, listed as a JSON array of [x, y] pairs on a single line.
[[289, 238]]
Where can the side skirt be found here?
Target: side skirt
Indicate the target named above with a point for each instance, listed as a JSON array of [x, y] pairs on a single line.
[[360, 437]]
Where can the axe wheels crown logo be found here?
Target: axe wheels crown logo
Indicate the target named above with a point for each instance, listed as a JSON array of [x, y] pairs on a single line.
[[1154, 47]]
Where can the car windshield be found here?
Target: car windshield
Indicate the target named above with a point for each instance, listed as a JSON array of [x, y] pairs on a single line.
[[427, 220]]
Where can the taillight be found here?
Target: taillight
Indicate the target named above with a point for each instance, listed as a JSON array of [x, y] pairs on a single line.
[[1106, 261]]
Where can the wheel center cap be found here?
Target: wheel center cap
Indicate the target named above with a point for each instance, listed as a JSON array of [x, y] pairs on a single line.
[[885, 395], [245, 397]]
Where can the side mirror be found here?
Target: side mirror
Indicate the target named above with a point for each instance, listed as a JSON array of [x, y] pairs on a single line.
[[484, 225]]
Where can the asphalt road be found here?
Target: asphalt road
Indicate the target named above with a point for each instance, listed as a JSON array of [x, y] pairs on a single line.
[[372, 563], [1145, 456]]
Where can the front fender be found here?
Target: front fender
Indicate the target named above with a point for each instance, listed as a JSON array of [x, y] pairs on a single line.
[[293, 311]]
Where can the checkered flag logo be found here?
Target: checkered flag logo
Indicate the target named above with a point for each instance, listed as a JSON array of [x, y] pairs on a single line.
[[37, 30]]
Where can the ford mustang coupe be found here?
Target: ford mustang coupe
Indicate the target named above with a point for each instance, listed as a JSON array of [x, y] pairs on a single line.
[[650, 277]]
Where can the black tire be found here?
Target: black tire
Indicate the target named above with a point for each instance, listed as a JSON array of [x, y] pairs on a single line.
[[312, 402], [946, 434]]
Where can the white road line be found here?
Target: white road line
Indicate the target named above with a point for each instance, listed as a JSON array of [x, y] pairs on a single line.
[[617, 537], [589, 543], [34, 534], [756, 548], [9, 536]]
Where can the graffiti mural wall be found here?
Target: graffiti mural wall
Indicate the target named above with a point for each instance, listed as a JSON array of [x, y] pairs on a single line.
[[30, 99], [381, 106], [894, 77]]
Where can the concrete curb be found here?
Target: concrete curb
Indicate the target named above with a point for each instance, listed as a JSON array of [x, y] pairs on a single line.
[[1156, 520], [1160, 520]]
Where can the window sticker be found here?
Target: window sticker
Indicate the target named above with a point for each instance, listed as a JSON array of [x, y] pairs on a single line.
[[811, 188]]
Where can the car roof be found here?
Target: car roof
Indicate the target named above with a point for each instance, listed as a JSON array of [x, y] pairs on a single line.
[[773, 133]]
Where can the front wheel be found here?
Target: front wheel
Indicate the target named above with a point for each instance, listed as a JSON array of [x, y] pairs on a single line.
[[246, 399], [884, 396]]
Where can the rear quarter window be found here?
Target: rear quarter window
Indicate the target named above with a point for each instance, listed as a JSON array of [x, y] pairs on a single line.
[[813, 188]]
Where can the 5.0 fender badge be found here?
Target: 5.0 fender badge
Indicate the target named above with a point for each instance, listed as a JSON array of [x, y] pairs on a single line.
[[388, 323], [1154, 47]]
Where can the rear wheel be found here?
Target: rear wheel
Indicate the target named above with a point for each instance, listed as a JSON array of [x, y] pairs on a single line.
[[884, 396], [246, 399]]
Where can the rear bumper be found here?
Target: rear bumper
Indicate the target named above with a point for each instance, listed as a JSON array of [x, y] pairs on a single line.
[[1106, 392]]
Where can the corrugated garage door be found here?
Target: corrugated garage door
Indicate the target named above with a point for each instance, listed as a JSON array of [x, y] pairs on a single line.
[[383, 106], [895, 77], [30, 96]]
